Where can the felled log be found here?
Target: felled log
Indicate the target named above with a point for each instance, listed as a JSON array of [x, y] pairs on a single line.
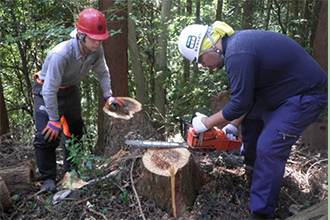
[[19, 176], [5, 198], [318, 211], [172, 193]]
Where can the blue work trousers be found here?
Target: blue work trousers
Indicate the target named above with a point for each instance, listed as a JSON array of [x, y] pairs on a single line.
[[268, 136]]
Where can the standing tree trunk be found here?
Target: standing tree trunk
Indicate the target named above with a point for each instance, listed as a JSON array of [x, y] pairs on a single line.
[[115, 49], [4, 122], [316, 135], [320, 44], [198, 12], [198, 21], [134, 52], [268, 7], [161, 68], [186, 63], [247, 19], [218, 15]]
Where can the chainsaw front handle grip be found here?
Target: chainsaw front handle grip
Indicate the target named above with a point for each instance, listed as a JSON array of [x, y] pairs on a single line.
[[184, 127]]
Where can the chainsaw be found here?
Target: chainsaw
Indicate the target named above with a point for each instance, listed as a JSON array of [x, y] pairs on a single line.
[[211, 140]]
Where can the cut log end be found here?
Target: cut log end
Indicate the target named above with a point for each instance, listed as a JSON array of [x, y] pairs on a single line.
[[159, 161], [19, 176]]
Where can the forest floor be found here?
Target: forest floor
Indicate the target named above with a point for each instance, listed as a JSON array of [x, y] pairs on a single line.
[[225, 196]]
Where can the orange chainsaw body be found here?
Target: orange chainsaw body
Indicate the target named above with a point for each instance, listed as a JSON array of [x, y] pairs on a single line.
[[212, 140]]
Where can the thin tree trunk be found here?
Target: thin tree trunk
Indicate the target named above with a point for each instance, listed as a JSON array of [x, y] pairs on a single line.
[[136, 61], [219, 10], [186, 63], [4, 121], [198, 21], [189, 7], [161, 69], [316, 13], [268, 11], [198, 12], [247, 18]]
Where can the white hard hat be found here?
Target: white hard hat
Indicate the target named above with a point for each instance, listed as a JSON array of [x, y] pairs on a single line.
[[190, 41]]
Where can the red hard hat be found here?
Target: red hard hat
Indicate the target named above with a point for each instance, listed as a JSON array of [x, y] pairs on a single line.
[[92, 23]]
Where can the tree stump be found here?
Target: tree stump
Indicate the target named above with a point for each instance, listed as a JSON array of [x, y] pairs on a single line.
[[172, 193], [19, 176], [116, 131], [219, 100], [316, 135], [5, 199]]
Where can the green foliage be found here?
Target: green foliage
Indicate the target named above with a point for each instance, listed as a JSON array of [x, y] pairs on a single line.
[[15, 197], [187, 95], [30, 29], [82, 157], [48, 202], [124, 196]]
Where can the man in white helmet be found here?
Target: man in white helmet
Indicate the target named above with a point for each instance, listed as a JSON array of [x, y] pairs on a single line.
[[277, 90]]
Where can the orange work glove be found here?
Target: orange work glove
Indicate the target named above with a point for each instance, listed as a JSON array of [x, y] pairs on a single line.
[[52, 130], [113, 103]]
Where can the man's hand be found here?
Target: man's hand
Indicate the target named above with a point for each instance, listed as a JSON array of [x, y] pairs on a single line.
[[114, 102], [231, 131], [52, 131], [198, 124]]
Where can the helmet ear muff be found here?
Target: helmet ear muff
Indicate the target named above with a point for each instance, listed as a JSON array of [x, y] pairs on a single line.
[[82, 37]]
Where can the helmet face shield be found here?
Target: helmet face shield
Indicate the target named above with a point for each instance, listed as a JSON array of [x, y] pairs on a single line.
[[190, 41]]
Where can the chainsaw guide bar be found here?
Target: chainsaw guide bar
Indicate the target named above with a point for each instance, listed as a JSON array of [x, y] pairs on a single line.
[[160, 144], [213, 139]]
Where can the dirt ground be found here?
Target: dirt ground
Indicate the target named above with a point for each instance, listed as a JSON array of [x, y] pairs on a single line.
[[226, 196]]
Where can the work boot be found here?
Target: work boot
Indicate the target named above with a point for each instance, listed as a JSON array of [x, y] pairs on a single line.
[[48, 186], [249, 163], [256, 216]]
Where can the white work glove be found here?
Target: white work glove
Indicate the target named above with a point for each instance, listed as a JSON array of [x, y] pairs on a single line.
[[198, 124], [231, 131]]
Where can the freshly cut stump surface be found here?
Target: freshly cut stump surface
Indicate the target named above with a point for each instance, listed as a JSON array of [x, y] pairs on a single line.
[[156, 179]]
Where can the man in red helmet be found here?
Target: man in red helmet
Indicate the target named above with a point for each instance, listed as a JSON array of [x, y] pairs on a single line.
[[56, 94]]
